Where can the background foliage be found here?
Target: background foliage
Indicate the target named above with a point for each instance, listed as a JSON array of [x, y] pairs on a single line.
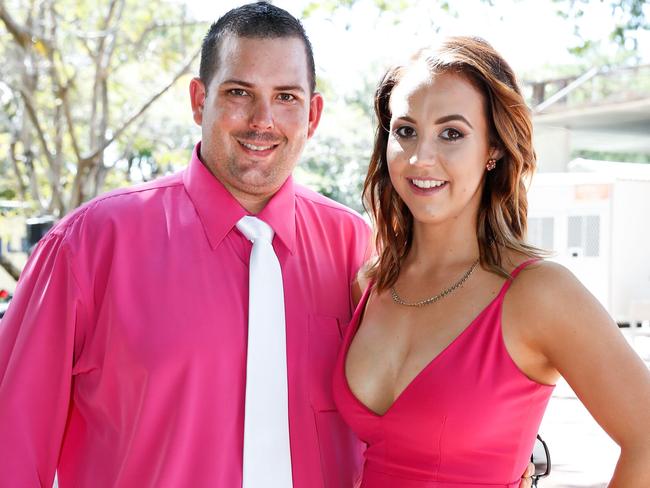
[[79, 81], [93, 93]]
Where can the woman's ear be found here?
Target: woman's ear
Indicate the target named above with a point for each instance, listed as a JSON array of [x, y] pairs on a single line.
[[496, 153]]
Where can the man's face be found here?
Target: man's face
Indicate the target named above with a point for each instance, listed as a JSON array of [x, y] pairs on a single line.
[[256, 115]]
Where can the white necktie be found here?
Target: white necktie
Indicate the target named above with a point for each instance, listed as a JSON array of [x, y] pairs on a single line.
[[267, 456]]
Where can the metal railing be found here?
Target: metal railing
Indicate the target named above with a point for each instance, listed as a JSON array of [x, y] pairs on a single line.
[[594, 87]]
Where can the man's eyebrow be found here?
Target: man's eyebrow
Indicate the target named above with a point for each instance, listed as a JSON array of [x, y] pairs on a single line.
[[448, 118], [246, 84], [237, 82], [297, 88]]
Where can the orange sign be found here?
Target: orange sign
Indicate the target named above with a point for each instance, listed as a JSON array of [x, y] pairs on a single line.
[[592, 192]]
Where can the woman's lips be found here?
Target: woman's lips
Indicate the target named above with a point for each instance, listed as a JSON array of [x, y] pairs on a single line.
[[426, 186]]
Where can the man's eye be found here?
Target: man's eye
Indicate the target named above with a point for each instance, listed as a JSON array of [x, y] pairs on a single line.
[[451, 134], [286, 97], [405, 132], [238, 92]]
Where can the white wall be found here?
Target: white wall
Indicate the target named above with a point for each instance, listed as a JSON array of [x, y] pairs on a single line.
[[631, 244], [553, 148], [563, 195]]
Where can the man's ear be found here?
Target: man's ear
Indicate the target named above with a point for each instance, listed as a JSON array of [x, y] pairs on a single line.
[[197, 99], [315, 111]]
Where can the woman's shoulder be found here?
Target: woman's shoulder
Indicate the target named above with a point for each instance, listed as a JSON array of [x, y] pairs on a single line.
[[538, 277], [546, 293]]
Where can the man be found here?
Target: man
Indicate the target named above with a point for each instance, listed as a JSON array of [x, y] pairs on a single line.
[[125, 357]]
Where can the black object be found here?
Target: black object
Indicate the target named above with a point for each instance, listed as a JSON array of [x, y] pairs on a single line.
[[37, 227], [541, 458]]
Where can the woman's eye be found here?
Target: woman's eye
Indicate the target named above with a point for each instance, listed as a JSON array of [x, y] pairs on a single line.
[[451, 134], [405, 132]]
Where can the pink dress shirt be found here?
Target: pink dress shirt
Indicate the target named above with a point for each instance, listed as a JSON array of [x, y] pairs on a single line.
[[123, 353]]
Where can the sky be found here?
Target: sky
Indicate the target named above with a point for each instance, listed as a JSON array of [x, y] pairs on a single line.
[[358, 42]]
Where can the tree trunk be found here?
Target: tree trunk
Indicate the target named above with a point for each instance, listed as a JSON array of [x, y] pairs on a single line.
[[9, 267], [22, 188], [56, 205]]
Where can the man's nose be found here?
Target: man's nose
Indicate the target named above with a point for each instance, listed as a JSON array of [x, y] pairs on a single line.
[[261, 117]]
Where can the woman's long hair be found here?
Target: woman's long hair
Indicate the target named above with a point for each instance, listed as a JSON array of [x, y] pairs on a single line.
[[501, 222]]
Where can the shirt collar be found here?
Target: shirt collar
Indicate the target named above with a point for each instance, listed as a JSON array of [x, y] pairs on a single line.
[[219, 211]]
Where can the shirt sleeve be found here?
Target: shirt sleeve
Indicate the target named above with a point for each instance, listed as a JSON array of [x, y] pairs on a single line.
[[362, 251], [37, 336]]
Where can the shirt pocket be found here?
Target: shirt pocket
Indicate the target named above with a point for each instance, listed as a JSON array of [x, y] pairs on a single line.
[[325, 336]]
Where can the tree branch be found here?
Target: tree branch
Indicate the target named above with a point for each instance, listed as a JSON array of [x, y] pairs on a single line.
[[144, 108], [107, 21], [31, 111], [22, 188], [68, 117], [22, 37], [162, 25]]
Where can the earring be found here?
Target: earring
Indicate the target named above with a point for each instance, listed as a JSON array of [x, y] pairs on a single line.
[[491, 164]]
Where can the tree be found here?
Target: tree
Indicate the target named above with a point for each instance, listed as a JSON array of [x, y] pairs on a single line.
[[77, 84], [629, 17]]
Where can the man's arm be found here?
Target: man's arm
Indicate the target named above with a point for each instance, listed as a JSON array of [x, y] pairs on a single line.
[[37, 336]]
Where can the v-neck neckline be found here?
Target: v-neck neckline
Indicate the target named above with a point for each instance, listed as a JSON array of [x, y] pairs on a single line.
[[410, 385]]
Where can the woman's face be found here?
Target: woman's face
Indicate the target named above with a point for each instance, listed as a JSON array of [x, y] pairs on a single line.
[[438, 145]]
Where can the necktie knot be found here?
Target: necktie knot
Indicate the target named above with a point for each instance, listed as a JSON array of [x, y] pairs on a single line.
[[254, 229]]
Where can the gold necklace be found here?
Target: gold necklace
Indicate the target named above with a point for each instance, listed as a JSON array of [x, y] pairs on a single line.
[[397, 299]]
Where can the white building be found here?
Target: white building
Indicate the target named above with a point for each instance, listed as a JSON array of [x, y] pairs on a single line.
[[595, 215], [596, 219]]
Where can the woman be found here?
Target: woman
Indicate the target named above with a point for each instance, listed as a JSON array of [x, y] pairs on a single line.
[[462, 331]]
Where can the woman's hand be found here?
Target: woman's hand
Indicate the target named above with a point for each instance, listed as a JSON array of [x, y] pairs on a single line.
[[526, 478]]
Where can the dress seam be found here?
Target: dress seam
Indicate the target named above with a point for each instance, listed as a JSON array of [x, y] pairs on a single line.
[[440, 439]]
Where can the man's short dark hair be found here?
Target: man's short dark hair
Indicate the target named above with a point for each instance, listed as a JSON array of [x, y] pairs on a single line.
[[259, 20]]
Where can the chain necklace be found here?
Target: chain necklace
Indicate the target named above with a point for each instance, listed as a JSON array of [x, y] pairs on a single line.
[[397, 299]]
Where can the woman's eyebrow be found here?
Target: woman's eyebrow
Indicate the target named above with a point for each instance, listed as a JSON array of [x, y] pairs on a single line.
[[448, 118]]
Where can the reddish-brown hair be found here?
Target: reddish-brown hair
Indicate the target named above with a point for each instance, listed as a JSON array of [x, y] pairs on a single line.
[[501, 222]]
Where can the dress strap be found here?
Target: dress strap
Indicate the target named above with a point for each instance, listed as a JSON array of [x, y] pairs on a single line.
[[514, 274], [519, 268]]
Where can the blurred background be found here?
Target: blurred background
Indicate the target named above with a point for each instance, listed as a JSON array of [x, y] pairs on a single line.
[[93, 96]]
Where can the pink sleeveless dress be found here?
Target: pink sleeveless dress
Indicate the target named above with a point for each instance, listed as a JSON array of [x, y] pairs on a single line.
[[468, 419]]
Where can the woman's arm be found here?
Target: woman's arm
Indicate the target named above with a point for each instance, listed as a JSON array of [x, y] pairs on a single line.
[[558, 320]]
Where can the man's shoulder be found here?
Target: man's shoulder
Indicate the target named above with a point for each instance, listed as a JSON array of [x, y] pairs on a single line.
[[138, 194], [121, 203], [326, 206]]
